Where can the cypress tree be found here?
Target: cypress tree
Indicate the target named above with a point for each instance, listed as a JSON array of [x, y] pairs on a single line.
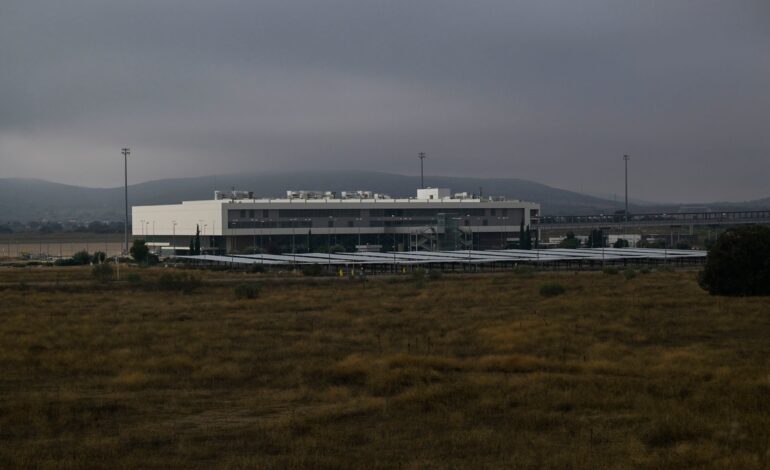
[[197, 240]]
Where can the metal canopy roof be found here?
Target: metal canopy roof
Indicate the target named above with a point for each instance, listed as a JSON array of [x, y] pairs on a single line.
[[462, 256]]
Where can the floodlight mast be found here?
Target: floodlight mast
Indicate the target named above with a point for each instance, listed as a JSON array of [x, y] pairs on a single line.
[[626, 158], [126, 152], [422, 157]]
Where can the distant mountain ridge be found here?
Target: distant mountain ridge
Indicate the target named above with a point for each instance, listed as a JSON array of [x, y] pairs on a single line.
[[31, 199]]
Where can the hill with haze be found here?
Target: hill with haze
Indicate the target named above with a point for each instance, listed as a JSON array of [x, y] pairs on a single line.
[[31, 199]]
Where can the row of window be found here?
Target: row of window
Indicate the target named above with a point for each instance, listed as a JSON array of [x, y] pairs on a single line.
[[356, 213], [297, 223]]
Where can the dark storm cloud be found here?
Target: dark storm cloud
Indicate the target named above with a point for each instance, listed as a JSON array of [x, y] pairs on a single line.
[[551, 91]]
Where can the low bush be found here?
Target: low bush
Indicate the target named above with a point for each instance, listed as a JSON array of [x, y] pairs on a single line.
[[610, 270], [81, 257], [738, 263], [67, 262], [312, 270], [182, 282], [99, 257], [103, 272], [629, 274], [255, 268], [434, 274], [134, 279], [246, 291], [524, 270], [552, 289]]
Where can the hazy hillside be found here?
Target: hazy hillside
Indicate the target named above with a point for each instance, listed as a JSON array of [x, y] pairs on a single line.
[[26, 199]]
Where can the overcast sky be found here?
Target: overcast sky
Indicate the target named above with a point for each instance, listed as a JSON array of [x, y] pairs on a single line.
[[553, 91]]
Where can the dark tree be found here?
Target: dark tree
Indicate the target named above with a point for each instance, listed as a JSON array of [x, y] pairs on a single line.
[[527, 245], [139, 251], [596, 239], [81, 257], [570, 242], [197, 240], [739, 263], [620, 243]]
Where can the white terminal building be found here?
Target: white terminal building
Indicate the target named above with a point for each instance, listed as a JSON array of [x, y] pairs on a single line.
[[306, 221]]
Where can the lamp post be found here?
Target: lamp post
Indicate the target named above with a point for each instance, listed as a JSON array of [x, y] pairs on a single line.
[[626, 158], [262, 234], [359, 221], [173, 237], [309, 223], [253, 235], [126, 152], [329, 228], [422, 157]]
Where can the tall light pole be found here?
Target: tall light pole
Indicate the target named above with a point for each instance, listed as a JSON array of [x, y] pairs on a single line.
[[360, 221], [422, 157], [173, 238], [126, 152], [626, 158]]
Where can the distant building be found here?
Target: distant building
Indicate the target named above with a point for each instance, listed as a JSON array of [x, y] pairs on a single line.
[[313, 220]]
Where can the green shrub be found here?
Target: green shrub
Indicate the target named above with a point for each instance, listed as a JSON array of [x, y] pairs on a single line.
[[620, 243], [99, 257], [552, 289], [418, 274], [312, 270], [183, 282], [524, 270], [246, 291], [134, 279], [738, 263], [610, 270], [629, 274], [139, 251], [67, 262], [644, 270], [255, 268], [103, 272], [434, 274], [81, 257]]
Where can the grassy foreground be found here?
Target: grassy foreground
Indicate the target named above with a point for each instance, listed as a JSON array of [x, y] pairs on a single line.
[[462, 372]]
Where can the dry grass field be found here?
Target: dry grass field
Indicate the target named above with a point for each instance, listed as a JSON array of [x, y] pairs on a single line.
[[459, 372]]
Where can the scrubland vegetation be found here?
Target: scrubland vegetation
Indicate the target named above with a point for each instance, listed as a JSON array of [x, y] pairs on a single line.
[[644, 371]]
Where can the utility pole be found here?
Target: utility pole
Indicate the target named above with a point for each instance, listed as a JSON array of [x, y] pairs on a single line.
[[126, 152], [626, 158], [422, 157]]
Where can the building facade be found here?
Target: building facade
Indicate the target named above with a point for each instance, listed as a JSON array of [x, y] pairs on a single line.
[[314, 221]]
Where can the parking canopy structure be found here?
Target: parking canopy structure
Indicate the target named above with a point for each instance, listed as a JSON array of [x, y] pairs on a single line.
[[454, 259]]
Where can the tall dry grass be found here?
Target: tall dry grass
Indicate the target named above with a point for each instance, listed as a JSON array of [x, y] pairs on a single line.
[[464, 372]]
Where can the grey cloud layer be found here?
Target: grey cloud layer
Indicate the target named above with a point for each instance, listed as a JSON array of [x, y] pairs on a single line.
[[554, 91]]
